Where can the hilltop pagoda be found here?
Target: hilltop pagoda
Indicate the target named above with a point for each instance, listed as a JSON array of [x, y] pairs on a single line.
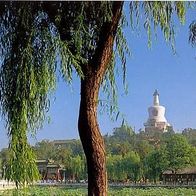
[[156, 120]]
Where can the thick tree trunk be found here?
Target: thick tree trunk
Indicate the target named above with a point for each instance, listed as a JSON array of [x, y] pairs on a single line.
[[91, 138], [90, 135]]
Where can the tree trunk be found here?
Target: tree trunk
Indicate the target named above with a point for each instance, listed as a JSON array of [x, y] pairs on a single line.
[[90, 135], [91, 138]]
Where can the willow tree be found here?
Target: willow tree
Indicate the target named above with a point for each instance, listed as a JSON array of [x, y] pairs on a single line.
[[192, 33], [37, 38]]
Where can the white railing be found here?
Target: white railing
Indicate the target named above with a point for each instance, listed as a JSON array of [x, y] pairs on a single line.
[[4, 184]]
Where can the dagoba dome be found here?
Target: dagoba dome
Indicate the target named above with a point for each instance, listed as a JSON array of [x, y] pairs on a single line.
[[156, 119]]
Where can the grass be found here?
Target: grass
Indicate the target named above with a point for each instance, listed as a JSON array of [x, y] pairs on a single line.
[[55, 191]]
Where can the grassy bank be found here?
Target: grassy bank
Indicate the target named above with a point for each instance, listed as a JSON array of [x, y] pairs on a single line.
[[55, 191]]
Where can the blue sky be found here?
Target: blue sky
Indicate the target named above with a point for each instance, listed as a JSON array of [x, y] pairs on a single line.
[[147, 69]]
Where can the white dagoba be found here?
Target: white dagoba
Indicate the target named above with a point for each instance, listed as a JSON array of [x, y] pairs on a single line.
[[156, 120]]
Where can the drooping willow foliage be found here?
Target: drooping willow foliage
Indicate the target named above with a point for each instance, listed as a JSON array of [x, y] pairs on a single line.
[[36, 38], [154, 15], [33, 39], [192, 34], [159, 14], [26, 76]]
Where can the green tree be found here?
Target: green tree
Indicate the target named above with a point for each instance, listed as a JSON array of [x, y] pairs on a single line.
[[76, 147], [62, 155], [192, 155], [122, 168], [44, 150], [178, 152], [190, 134], [75, 167], [115, 168], [155, 163], [121, 140], [132, 165], [120, 148], [142, 147], [4, 156], [122, 133], [33, 35]]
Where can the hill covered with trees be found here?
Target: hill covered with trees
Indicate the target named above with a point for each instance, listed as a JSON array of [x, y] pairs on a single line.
[[131, 156]]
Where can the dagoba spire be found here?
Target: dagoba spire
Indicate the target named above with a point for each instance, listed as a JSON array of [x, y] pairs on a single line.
[[156, 119], [156, 98]]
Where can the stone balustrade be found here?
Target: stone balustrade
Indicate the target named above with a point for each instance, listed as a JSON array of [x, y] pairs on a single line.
[[4, 184]]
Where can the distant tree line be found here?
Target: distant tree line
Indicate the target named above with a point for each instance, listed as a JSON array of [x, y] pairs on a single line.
[[131, 156]]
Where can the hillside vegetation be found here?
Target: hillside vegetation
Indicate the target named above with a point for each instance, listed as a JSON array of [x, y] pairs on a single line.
[[131, 156]]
